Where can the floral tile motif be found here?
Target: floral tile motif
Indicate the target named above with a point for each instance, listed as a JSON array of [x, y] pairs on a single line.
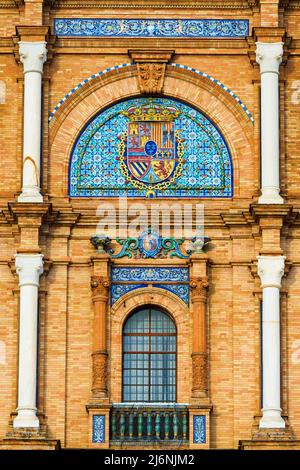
[[158, 277], [199, 429], [149, 274], [98, 436], [196, 164], [151, 28], [181, 290], [118, 290]]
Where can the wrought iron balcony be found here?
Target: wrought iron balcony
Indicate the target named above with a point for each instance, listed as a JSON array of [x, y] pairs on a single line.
[[141, 422]]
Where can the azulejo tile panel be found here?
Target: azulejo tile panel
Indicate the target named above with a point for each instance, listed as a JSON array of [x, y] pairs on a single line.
[[98, 435], [118, 290], [181, 290], [151, 147], [149, 274], [122, 277], [149, 28], [199, 429]]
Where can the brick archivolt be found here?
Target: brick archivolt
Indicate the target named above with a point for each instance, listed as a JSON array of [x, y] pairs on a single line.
[[180, 313], [195, 90]]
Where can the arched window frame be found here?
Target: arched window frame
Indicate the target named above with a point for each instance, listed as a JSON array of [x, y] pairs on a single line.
[[149, 352]]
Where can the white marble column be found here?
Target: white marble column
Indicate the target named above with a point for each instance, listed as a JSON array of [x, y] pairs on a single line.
[[29, 269], [269, 57], [32, 55], [271, 270]]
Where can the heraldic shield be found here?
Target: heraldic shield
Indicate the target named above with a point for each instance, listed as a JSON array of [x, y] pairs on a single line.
[[151, 151]]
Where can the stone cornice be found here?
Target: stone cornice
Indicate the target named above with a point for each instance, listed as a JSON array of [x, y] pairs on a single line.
[[182, 45], [283, 211], [32, 33], [157, 4]]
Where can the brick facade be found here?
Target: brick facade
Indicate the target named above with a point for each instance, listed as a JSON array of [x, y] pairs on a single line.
[[240, 230]]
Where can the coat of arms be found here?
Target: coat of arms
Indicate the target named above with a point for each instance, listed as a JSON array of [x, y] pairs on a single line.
[[151, 150]]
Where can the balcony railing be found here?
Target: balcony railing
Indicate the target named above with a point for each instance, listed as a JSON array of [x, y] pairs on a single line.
[[149, 422]]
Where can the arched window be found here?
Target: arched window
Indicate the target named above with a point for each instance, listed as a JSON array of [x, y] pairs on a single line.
[[149, 357]]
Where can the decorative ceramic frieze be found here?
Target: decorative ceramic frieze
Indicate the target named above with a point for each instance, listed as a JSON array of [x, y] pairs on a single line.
[[124, 279], [151, 28], [149, 274]]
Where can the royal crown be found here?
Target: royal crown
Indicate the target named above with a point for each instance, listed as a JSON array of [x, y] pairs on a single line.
[[151, 112]]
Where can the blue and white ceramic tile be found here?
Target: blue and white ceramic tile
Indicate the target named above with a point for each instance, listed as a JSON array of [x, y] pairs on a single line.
[[151, 28], [142, 274], [98, 429], [199, 429]]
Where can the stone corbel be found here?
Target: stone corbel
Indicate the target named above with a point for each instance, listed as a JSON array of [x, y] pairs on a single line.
[[151, 68]]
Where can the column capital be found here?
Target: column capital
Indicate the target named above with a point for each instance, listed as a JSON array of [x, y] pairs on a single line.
[[269, 56], [199, 286], [29, 268], [33, 55], [270, 270], [99, 285]]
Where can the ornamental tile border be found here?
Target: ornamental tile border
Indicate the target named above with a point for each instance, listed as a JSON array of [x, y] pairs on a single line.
[[151, 28], [145, 275], [180, 290], [118, 290], [184, 67], [149, 274]]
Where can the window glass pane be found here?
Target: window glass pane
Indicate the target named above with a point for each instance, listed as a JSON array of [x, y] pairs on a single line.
[[163, 377], [135, 343], [163, 343], [161, 323], [138, 322], [163, 361]]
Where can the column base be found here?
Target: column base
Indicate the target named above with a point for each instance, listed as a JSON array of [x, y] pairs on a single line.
[[270, 197], [26, 421], [272, 419], [199, 432], [99, 424], [30, 195]]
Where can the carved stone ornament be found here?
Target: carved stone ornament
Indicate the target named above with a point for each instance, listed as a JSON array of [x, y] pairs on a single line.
[[199, 287], [100, 285], [151, 77], [99, 372], [199, 361]]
